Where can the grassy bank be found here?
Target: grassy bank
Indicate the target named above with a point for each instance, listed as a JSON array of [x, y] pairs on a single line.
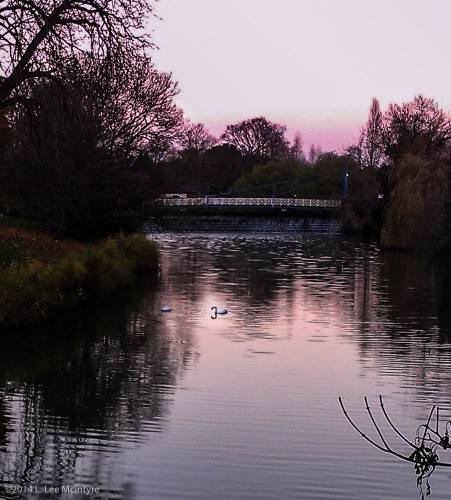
[[40, 277]]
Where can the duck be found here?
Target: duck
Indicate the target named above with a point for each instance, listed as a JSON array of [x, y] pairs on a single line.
[[166, 309]]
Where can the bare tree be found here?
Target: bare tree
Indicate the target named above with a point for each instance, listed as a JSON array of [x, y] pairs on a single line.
[[259, 138], [370, 151], [419, 127], [314, 153], [38, 37], [372, 136], [195, 137], [296, 148], [134, 102]]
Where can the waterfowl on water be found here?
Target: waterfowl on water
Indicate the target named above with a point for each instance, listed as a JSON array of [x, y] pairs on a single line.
[[165, 309], [219, 310]]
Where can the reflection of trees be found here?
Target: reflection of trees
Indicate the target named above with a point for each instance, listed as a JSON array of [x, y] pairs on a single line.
[[111, 374], [3, 423], [444, 301], [256, 267], [393, 305], [410, 281], [384, 291], [254, 272], [262, 273], [399, 322], [106, 377], [184, 266]]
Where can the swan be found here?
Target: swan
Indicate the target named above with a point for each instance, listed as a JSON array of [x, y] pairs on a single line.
[[165, 309], [219, 310]]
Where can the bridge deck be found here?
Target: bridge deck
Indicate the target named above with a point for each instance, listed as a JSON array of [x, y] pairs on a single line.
[[248, 202]]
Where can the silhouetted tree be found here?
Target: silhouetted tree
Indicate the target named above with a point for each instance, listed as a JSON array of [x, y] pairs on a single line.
[[223, 164], [419, 127], [410, 145], [329, 170], [274, 178], [369, 152], [134, 102], [38, 37], [6, 138], [258, 139], [195, 136], [314, 153], [212, 171], [416, 138], [56, 150], [187, 167], [85, 146], [296, 151]]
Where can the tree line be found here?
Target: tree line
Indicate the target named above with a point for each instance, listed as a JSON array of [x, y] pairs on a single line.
[[90, 133], [89, 128], [409, 149]]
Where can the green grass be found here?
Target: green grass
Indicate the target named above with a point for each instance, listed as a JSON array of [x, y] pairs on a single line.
[[67, 274]]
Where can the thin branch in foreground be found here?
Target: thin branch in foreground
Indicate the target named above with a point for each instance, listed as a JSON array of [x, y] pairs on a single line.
[[428, 442]]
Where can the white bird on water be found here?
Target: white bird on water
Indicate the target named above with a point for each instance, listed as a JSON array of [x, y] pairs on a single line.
[[165, 309], [218, 310]]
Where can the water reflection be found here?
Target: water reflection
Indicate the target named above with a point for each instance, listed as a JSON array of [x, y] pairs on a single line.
[[394, 306], [404, 322], [310, 317], [89, 382]]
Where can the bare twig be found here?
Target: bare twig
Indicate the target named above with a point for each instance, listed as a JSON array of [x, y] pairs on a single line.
[[381, 403], [425, 449]]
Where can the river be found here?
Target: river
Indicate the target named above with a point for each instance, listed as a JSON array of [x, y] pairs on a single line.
[[127, 402]]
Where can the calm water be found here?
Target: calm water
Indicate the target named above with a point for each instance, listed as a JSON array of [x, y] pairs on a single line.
[[146, 405]]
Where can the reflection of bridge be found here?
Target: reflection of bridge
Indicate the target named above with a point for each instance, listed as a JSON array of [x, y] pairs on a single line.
[[265, 203]]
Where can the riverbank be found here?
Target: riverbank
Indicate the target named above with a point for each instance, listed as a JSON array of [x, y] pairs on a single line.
[[41, 277]]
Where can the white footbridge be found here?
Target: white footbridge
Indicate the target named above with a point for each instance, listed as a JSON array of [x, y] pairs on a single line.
[[205, 202]]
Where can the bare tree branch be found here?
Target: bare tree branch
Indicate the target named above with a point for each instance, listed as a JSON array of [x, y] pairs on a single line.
[[38, 37], [425, 449]]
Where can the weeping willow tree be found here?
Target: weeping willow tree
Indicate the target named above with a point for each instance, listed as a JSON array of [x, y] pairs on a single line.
[[415, 214], [412, 142]]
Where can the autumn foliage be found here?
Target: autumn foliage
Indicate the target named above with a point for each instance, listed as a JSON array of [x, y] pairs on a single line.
[[33, 289]]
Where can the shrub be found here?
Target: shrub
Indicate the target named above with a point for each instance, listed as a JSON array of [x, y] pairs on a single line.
[[36, 290], [143, 251]]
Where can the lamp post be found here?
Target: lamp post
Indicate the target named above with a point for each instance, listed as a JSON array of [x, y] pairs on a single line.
[[346, 183]]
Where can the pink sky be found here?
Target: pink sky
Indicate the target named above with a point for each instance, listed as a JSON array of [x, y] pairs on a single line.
[[312, 65]]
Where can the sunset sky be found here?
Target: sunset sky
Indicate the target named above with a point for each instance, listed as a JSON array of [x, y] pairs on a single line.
[[312, 65]]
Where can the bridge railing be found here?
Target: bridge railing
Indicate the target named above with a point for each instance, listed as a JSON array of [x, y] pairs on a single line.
[[248, 202]]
